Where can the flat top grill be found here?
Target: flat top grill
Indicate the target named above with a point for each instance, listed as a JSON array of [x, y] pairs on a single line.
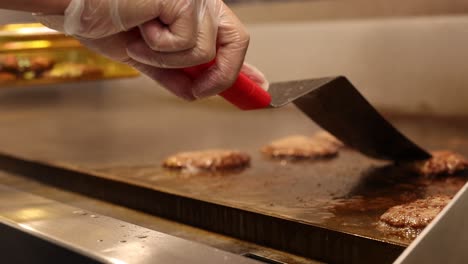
[[113, 147]]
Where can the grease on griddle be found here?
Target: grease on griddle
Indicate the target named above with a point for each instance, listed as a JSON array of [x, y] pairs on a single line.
[[379, 189], [368, 204], [442, 163], [194, 162], [382, 188], [410, 219], [320, 146]]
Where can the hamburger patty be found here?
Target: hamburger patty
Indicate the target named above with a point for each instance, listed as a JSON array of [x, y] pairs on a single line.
[[417, 214], [213, 159], [442, 163], [302, 147], [324, 135]]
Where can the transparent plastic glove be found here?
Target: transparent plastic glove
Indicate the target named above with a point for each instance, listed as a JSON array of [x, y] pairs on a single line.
[[158, 37]]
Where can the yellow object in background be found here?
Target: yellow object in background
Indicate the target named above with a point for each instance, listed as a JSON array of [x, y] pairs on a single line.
[[32, 54]]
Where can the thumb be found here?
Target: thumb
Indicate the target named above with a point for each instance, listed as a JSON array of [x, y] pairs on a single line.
[[255, 75]]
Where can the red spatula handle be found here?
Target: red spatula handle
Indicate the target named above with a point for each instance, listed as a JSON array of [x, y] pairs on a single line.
[[244, 93]]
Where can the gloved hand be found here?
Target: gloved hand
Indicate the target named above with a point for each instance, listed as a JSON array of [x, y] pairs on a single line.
[[158, 37]]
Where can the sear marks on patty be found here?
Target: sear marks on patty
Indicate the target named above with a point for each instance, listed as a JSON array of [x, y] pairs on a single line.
[[302, 147], [211, 160], [410, 219], [442, 163]]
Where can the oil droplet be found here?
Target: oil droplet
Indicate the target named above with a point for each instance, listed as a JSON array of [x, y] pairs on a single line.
[[122, 226], [94, 216], [123, 241], [79, 212], [100, 240], [142, 236]]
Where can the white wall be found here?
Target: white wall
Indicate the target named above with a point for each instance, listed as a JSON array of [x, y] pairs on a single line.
[[8, 17], [411, 64]]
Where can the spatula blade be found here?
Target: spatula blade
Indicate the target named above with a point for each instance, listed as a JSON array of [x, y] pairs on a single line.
[[338, 107]]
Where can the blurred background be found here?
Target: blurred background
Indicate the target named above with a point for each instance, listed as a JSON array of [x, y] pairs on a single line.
[[65, 110], [405, 56]]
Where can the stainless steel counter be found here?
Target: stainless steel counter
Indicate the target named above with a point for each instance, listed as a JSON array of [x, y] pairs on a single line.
[[92, 229], [98, 237]]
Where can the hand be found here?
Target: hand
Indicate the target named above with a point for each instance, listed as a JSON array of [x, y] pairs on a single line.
[[159, 37]]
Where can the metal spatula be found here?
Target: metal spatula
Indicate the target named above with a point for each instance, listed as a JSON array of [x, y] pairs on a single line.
[[335, 105]]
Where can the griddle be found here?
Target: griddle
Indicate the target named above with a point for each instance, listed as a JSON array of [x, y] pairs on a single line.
[[111, 147]]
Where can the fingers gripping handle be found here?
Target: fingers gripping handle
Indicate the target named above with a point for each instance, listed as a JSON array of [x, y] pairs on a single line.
[[244, 93]]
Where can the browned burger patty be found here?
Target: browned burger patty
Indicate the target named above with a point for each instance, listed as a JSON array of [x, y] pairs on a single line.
[[441, 163], [214, 160], [417, 214], [301, 147]]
